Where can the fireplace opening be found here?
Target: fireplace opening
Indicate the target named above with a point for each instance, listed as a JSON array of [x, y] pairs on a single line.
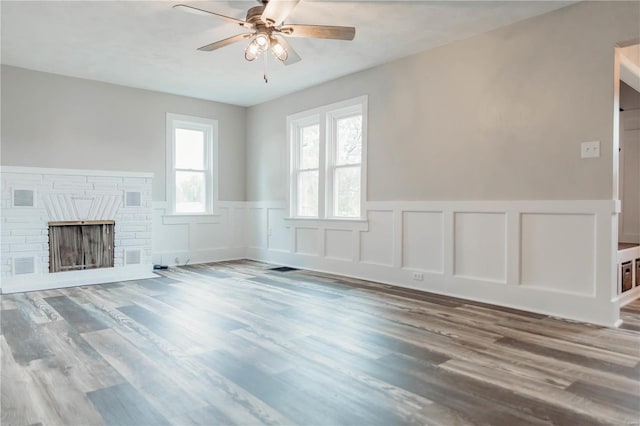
[[80, 245]]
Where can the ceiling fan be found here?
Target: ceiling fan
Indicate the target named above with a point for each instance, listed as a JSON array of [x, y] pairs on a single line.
[[266, 23]]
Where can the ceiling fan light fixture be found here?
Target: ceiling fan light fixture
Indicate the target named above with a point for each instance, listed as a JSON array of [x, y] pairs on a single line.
[[262, 41], [252, 51], [278, 50]]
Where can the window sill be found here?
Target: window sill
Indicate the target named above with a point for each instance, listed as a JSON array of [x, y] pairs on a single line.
[[357, 224], [185, 218]]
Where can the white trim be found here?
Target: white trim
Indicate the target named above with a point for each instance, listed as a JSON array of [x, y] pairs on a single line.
[[629, 73], [628, 296], [179, 219], [332, 223]]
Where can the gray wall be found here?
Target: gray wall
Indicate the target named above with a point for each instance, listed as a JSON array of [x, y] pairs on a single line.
[[496, 116], [50, 120]]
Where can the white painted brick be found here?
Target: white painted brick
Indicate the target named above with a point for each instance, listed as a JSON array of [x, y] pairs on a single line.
[[105, 186], [72, 186], [65, 179], [44, 186], [38, 239], [132, 242], [125, 235], [25, 225], [104, 179], [24, 212], [15, 239], [23, 231], [26, 247], [108, 193], [25, 220], [135, 180], [12, 178], [26, 230], [131, 211], [131, 228]]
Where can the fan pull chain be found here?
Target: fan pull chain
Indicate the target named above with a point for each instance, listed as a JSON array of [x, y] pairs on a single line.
[[266, 79]]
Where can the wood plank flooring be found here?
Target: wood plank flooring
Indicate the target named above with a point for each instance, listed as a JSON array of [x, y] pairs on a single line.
[[235, 343]]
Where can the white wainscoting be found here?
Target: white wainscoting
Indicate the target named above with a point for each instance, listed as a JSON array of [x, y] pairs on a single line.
[[551, 257], [186, 239]]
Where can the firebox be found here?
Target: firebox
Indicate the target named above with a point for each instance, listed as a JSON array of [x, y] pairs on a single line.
[[77, 245]]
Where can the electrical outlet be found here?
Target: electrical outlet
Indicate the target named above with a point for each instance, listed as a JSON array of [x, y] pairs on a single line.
[[418, 276]]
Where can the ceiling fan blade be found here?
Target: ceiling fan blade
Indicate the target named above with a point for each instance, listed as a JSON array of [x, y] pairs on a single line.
[[223, 43], [319, 31], [203, 12], [277, 11], [293, 56]]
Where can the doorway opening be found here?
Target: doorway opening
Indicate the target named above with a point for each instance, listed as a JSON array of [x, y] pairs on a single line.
[[628, 173]]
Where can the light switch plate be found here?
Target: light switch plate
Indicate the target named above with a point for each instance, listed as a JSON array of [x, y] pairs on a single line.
[[590, 149]]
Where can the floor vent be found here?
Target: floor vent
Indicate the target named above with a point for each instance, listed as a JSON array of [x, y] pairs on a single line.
[[132, 257], [284, 269], [24, 265]]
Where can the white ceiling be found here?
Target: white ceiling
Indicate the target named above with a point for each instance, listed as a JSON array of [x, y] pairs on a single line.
[[147, 44]]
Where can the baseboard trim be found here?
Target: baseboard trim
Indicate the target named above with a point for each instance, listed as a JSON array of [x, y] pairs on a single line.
[[539, 301], [628, 296]]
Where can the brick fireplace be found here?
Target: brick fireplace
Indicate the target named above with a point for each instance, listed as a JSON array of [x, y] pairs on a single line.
[[33, 199]]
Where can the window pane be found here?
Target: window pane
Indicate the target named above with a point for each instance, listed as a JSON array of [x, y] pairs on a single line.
[[309, 147], [349, 134], [190, 192], [347, 192], [308, 193], [189, 149]]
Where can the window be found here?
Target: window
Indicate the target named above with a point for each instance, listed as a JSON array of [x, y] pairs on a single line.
[[191, 150], [328, 151]]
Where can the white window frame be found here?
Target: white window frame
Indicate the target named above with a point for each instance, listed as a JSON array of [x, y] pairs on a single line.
[[327, 117], [210, 129], [296, 128]]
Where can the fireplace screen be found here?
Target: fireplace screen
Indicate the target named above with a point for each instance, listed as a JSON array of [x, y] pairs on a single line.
[[80, 245]]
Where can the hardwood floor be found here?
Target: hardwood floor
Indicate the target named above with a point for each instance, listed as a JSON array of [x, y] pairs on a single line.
[[236, 343]]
